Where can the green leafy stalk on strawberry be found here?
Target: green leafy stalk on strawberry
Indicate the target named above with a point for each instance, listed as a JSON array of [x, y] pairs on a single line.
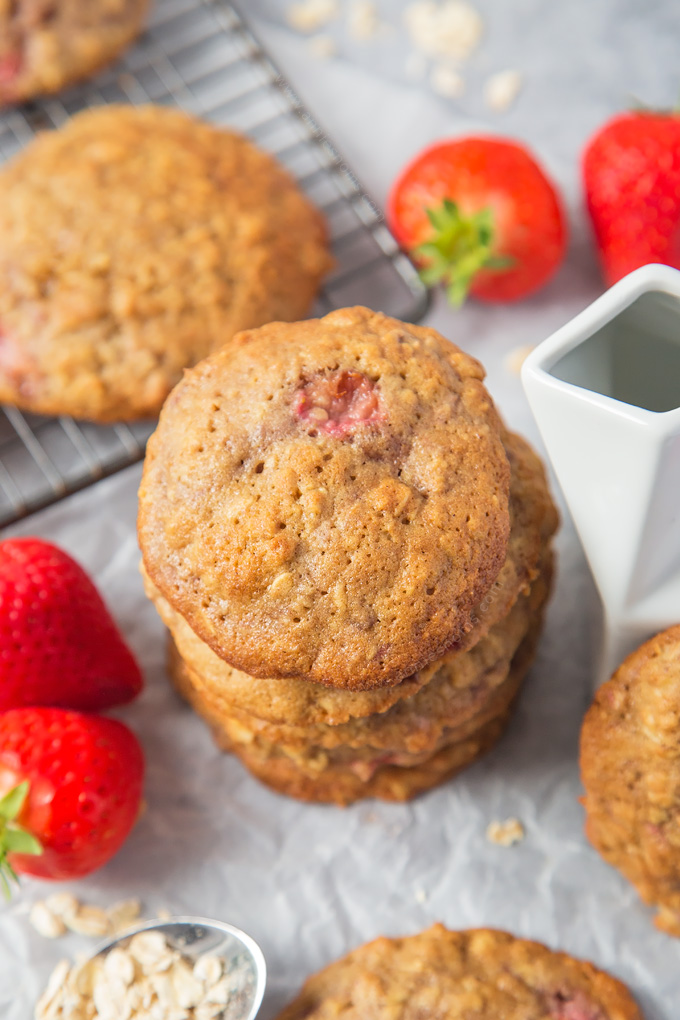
[[13, 837], [480, 216], [459, 247]]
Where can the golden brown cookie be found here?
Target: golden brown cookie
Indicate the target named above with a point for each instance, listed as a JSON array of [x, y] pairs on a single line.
[[328, 500], [297, 703], [46, 45], [390, 761], [464, 690], [465, 975], [134, 241], [630, 765]]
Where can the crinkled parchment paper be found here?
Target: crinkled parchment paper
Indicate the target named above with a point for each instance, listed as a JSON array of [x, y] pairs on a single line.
[[308, 882]]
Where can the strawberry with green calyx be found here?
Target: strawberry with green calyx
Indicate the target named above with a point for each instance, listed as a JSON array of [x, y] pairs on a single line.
[[72, 782], [631, 177], [14, 838], [481, 217]]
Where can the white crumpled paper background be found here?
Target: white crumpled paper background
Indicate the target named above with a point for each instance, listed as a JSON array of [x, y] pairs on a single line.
[[309, 883]]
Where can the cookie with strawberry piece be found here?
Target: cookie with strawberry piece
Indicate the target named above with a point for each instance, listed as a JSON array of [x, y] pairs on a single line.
[[329, 499], [459, 975], [630, 765], [45, 46]]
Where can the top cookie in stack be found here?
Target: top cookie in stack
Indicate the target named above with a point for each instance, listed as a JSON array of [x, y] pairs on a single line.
[[328, 500], [350, 551]]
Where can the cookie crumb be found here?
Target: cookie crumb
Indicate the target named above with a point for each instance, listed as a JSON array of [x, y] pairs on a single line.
[[501, 90], [45, 921], [516, 358], [88, 920], [446, 81], [449, 29], [363, 21], [310, 15], [323, 47], [123, 914], [505, 833]]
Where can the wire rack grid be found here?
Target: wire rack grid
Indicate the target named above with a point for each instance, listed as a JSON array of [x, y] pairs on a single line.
[[201, 55]]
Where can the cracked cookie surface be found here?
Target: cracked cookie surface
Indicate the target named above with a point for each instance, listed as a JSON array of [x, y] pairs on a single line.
[[45, 46], [456, 975], [630, 765], [349, 556], [134, 241]]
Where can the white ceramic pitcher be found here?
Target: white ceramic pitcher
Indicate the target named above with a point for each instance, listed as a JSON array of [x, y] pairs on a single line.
[[605, 391]]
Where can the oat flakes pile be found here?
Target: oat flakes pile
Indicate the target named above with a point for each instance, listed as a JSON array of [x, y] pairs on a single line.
[[147, 980]]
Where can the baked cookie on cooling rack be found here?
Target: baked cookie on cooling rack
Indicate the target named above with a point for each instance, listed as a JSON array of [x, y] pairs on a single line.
[[45, 46], [134, 241]]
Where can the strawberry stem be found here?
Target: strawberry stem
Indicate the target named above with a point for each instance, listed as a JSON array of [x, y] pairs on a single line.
[[13, 837], [459, 247]]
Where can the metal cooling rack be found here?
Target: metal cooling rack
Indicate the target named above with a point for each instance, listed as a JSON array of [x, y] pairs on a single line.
[[200, 55]]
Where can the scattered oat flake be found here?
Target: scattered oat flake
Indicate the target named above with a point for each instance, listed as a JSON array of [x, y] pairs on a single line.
[[123, 914], [505, 833], [88, 920], [420, 896], [150, 950], [516, 358], [63, 904], [501, 90], [449, 28], [446, 81], [311, 15], [323, 47], [208, 969], [45, 921], [363, 21]]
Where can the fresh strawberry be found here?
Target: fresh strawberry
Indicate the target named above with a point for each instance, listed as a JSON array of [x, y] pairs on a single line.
[[84, 776], [58, 643], [480, 215], [631, 175]]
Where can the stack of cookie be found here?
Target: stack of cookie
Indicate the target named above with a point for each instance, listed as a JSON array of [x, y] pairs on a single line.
[[350, 551]]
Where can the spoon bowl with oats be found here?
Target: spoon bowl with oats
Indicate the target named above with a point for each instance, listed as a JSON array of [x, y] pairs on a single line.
[[188, 967]]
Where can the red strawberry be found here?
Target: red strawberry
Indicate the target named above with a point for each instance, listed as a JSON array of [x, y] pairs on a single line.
[[58, 643], [481, 216], [84, 776], [631, 174]]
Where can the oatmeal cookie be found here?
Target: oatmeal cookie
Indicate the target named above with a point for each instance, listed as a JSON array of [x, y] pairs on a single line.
[[328, 500], [345, 774], [459, 975], [630, 765], [297, 703], [134, 241], [463, 688], [45, 46]]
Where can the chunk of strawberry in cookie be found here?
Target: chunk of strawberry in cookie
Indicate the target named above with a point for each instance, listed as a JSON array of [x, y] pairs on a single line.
[[564, 1005], [337, 403], [15, 365], [10, 65]]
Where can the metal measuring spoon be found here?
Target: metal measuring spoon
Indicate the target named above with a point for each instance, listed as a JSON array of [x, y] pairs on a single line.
[[194, 937]]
